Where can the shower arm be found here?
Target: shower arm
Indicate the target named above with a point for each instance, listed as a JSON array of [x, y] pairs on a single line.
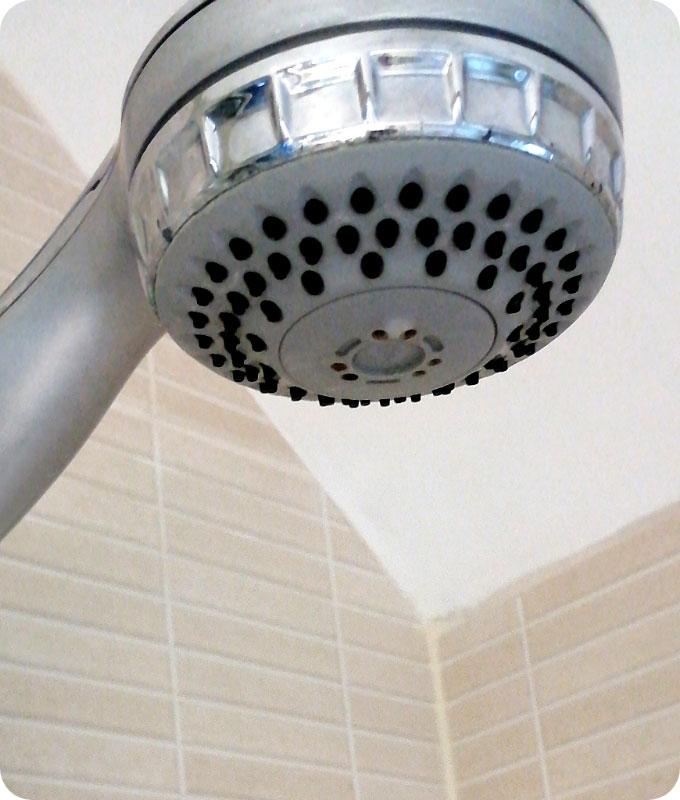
[[73, 327]]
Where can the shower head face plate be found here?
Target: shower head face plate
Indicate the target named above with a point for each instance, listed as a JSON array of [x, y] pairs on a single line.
[[384, 270], [381, 216]]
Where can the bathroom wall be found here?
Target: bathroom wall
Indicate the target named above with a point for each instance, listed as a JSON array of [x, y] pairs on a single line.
[[568, 685], [185, 614]]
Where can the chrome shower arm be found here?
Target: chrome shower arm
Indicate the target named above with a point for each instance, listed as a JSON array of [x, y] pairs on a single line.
[[73, 327]]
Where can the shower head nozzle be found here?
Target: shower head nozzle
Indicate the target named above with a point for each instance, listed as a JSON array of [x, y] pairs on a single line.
[[346, 203]]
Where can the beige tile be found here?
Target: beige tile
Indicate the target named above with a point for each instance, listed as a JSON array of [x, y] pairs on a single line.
[[607, 658], [245, 642], [15, 252], [655, 783], [251, 733], [474, 627], [618, 751], [32, 748], [82, 553], [45, 789], [6, 279], [61, 597], [26, 138], [12, 98], [121, 429], [286, 486], [29, 695], [349, 547], [639, 695], [619, 606], [335, 514], [395, 758], [248, 555], [222, 776], [401, 718], [253, 598], [378, 788], [372, 592], [494, 751], [26, 218], [375, 671], [26, 177], [215, 501], [383, 635], [253, 688], [172, 363], [489, 708], [209, 418], [524, 782], [643, 544], [74, 500], [111, 468], [135, 398], [481, 667], [41, 643]]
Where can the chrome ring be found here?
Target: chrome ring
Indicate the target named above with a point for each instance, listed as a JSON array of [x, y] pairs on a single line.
[[367, 87]]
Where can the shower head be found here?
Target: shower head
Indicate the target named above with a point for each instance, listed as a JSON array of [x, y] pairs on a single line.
[[346, 203]]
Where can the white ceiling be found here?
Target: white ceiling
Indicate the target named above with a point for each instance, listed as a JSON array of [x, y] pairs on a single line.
[[461, 495]]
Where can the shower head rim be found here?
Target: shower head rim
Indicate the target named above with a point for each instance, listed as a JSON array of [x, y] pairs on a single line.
[[564, 29], [594, 160]]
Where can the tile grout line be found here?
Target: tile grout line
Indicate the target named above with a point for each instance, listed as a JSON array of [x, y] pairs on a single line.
[[52, 673], [40, 166], [624, 627], [534, 702], [87, 731], [299, 591], [342, 661], [43, 616], [487, 687], [307, 766], [500, 772], [220, 402], [613, 682], [142, 691], [49, 781], [61, 573], [622, 727], [169, 622], [462, 741], [21, 237], [603, 591], [32, 121], [215, 657], [479, 648], [49, 210], [93, 531], [671, 763], [445, 743], [189, 555]]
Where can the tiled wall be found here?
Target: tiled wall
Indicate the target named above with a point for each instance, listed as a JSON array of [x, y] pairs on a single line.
[[569, 686], [185, 614]]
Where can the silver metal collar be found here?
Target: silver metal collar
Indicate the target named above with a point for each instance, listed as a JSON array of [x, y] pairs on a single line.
[[393, 85]]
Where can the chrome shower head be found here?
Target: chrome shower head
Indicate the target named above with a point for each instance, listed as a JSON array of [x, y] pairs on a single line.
[[385, 209], [349, 204]]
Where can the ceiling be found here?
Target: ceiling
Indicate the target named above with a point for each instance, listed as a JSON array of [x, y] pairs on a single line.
[[460, 495]]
